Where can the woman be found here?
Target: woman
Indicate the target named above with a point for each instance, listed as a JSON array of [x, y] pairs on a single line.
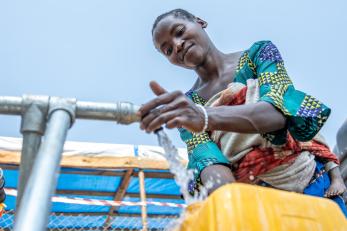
[[242, 120]]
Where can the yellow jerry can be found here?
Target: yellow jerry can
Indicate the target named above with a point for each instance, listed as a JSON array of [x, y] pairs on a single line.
[[247, 207]]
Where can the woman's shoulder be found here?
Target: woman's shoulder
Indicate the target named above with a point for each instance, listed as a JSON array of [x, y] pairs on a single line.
[[260, 44], [264, 50]]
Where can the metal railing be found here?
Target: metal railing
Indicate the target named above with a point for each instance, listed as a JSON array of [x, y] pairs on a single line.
[[50, 118]]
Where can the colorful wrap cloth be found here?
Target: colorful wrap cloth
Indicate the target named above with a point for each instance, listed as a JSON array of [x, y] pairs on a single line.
[[284, 159]]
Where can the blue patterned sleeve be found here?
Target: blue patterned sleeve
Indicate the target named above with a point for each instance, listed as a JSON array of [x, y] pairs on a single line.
[[305, 114]]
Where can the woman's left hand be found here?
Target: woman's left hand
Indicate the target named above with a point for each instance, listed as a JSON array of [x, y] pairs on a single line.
[[174, 109]]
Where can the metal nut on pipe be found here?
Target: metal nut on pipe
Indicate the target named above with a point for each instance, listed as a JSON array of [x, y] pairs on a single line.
[[126, 113]]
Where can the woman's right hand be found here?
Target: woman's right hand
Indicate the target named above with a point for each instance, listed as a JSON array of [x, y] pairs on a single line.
[[174, 109]]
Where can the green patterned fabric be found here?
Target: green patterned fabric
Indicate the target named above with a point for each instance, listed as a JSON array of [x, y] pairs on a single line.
[[305, 114], [202, 151]]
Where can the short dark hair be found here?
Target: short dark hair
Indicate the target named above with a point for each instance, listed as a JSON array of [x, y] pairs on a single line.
[[177, 13]]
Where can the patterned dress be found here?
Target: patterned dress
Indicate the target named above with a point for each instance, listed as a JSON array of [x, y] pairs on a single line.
[[257, 158]]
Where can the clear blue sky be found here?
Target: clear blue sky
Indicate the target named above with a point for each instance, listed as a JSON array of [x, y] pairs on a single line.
[[102, 51]]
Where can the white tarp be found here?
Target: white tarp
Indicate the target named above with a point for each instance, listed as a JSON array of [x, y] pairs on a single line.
[[11, 144]]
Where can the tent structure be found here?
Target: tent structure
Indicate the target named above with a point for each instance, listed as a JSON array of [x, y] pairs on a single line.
[[94, 174]]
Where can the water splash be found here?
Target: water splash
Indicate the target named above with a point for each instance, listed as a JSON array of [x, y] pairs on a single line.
[[182, 175]]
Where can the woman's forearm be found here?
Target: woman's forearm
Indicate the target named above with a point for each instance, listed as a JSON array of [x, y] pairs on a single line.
[[259, 117]]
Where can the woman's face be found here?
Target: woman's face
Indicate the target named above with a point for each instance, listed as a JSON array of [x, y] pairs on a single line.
[[183, 42]]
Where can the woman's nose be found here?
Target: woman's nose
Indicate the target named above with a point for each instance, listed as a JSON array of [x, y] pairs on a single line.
[[179, 45]]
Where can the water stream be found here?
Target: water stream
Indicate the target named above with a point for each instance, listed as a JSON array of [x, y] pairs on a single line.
[[182, 175]]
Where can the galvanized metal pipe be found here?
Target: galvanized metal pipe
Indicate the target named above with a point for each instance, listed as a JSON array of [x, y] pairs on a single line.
[[35, 109], [121, 112], [10, 105], [31, 144], [34, 212]]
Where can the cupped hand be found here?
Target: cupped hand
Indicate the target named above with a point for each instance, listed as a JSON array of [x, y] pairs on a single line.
[[174, 109]]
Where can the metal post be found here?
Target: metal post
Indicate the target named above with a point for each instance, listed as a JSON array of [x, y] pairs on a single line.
[[34, 213], [30, 145], [34, 114], [143, 200]]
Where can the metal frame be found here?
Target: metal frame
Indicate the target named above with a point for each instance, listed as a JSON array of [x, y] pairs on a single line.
[[43, 178], [40, 161]]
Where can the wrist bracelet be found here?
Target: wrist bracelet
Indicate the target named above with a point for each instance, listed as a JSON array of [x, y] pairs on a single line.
[[205, 118]]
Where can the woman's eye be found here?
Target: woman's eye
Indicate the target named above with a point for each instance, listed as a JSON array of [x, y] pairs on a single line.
[[180, 31], [169, 51]]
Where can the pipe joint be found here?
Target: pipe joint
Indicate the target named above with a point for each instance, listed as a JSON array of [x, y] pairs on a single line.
[[34, 113], [65, 104], [125, 113]]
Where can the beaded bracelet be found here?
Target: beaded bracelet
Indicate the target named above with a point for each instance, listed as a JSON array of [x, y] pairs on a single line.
[[205, 118]]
